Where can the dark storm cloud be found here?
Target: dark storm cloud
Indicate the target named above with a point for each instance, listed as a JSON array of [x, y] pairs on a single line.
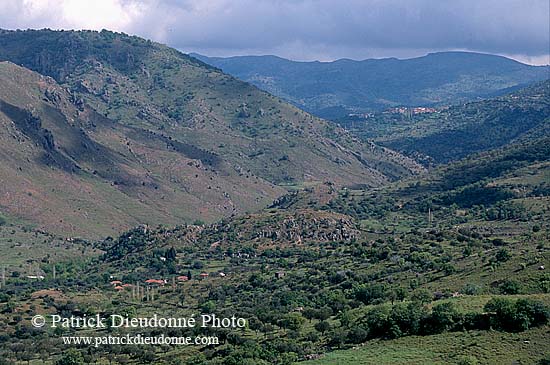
[[310, 29]]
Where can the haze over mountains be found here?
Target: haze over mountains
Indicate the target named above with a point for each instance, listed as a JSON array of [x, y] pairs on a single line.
[[114, 130], [335, 89]]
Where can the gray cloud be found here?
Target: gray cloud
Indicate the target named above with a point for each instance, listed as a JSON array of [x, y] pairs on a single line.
[[308, 29]]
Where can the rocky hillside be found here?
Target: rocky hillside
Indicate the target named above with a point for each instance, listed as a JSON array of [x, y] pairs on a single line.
[[69, 169], [135, 132]]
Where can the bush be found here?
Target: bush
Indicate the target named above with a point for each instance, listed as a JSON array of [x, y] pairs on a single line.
[[472, 289], [71, 357], [507, 315], [357, 335], [467, 360], [422, 296], [545, 360], [510, 287], [503, 255], [322, 326], [444, 317], [377, 321], [369, 294], [408, 317]]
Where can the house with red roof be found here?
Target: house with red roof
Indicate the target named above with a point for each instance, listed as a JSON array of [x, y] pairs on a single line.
[[155, 281]]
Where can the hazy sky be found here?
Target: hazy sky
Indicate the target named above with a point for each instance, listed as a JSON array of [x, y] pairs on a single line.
[[307, 29]]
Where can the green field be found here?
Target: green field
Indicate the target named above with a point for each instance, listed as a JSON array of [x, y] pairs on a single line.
[[462, 348]]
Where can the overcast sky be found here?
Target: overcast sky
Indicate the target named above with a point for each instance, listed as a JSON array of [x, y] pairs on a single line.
[[307, 29]]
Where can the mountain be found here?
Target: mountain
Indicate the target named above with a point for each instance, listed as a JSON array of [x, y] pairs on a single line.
[[335, 89], [222, 201], [451, 133], [69, 169], [103, 131], [457, 254]]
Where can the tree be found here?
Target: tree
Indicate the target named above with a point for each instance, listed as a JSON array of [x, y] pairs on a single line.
[[322, 326], [287, 358], [71, 357], [503, 255], [147, 357], [324, 313], [309, 313], [337, 336], [208, 306], [370, 293], [25, 356], [408, 317], [530, 313], [422, 296], [170, 254], [378, 321], [510, 287], [293, 321], [357, 334], [444, 317]]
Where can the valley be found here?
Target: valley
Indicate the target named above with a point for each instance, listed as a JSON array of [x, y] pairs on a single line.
[[139, 181], [163, 140]]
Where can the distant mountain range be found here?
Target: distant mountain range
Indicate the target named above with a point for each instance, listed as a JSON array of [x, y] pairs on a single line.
[[334, 89]]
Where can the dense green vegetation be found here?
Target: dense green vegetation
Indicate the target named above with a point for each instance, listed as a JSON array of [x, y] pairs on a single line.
[[454, 132], [334, 89]]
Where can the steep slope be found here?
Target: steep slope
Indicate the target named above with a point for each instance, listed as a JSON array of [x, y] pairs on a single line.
[[452, 133], [136, 132], [459, 251], [70, 170], [334, 89], [147, 85]]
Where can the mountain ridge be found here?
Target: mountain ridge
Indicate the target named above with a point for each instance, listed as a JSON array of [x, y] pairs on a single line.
[[151, 128], [336, 88]]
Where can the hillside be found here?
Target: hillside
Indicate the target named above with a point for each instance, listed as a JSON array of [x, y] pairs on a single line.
[[136, 132], [138, 181], [440, 269], [451, 133], [334, 89], [64, 165]]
